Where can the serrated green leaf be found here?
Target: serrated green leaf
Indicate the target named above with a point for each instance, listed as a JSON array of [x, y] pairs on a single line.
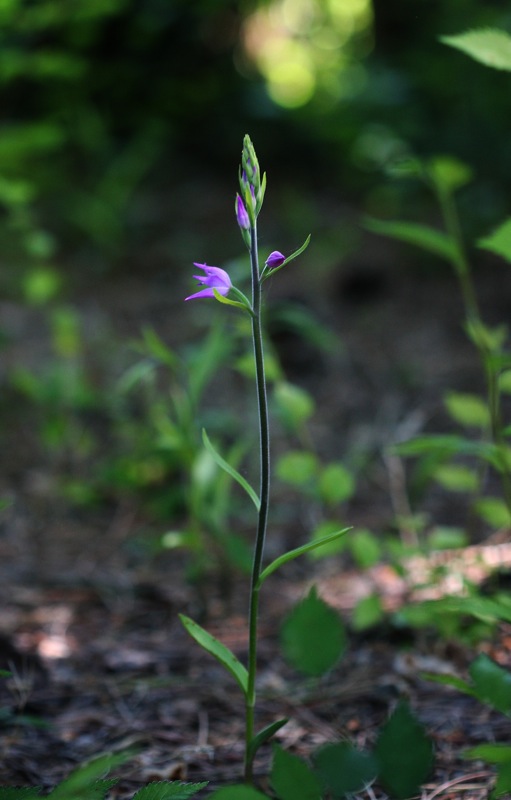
[[467, 409], [169, 790], [292, 779], [299, 551], [239, 791], [499, 241], [84, 782], [218, 650], [343, 769], [488, 46], [264, 734], [404, 753], [313, 636], [422, 236], [492, 683], [230, 470]]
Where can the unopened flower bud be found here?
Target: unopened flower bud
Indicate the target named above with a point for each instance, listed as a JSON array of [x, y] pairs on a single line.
[[275, 259]]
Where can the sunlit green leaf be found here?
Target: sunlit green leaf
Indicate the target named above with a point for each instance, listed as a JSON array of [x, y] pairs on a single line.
[[489, 46], [499, 241], [456, 478], [365, 548], [494, 511], [448, 173], [297, 467], [336, 484], [495, 753], [467, 409]]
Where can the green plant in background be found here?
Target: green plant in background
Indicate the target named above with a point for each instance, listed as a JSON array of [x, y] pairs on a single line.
[[449, 459]]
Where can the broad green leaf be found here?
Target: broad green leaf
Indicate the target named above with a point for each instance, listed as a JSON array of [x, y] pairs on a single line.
[[505, 381], [264, 734], [499, 241], [422, 236], [365, 548], [336, 484], [218, 650], [313, 636], [492, 753], [367, 612], [292, 779], [489, 46], [297, 467], [230, 470], [169, 790], [456, 478], [404, 753], [343, 769], [494, 511], [467, 409], [238, 791], [492, 683], [503, 784], [295, 405], [299, 551]]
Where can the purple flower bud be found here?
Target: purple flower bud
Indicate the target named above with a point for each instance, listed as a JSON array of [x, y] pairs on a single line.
[[275, 259], [241, 214], [214, 278]]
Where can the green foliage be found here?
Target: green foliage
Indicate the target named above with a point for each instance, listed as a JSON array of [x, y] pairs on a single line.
[[343, 769], [467, 409], [367, 613], [489, 46], [498, 242], [292, 779], [414, 233], [404, 753], [218, 650], [239, 791], [312, 636]]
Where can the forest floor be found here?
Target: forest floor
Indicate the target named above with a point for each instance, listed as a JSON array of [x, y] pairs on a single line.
[[90, 632]]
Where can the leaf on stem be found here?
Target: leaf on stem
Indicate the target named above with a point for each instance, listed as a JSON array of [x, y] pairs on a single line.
[[299, 551], [436, 242], [230, 470], [498, 242], [267, 272], [218, 650], [227, 302], [489, 46], [264, 734]]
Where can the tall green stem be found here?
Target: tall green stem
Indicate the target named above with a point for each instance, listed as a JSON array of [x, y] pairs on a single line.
[[264, 433]]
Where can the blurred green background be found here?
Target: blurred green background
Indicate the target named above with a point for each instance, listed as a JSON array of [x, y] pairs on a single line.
[[121, 124]]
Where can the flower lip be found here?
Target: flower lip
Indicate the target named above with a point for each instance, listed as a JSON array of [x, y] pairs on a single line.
[[275, 259], [214, 278]]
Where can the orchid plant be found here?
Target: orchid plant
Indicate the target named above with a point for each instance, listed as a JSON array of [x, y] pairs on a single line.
[[217, 284]]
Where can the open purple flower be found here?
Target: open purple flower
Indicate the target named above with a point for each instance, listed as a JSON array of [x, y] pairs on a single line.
[[275, 259], [214, 278]]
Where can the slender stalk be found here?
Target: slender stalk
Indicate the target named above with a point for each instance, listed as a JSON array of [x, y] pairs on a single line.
[[264, 440]]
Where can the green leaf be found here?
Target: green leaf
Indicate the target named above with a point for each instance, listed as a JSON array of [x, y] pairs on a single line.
[[264, 734], [226, 302], [505, 381], [494, 511], [323, 548], [299, 551], [19, 792], [165, 790], [292, 779], [313, 636], [367, 612], [267, 272], [499, 241], [404, 753], [239, 791], [158, 349], [343, 769], [297, 467], [488, 46], [503, 784], [230, 470], [449, 680], [336, 484], [492, 683], [447, 537], [83, 781], [467, 409], [218, 650], [456, 478], [492, 753], [448, 173], [422, 236], [295, 405], [365, 548]]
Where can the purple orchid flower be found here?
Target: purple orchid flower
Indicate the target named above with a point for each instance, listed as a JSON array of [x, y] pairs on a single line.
[[215, 278], [275, 259]]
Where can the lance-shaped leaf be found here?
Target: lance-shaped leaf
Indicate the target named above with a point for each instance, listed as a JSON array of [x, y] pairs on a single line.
[[299, 551], [218, 650], [230, 470], [245, 306], [264, 734], [268, 271], [422, 236], [489, 46]]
